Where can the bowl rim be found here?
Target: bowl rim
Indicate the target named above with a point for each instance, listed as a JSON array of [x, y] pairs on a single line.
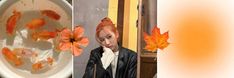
[[67, 70]]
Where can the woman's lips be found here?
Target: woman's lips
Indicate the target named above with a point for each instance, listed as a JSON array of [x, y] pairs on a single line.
[[109, 46]]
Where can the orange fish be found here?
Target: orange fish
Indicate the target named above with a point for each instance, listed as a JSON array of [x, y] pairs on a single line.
[[50, 60], [37, 66], [41, 64], [24, 52], [51, 14], [44, 35], [11, 22], [11, 57], [35, 23]]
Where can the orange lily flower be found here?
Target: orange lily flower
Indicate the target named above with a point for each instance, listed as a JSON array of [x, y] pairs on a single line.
[[73, 40]]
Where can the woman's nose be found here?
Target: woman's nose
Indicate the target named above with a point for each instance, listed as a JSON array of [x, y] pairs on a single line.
[[107, 41]]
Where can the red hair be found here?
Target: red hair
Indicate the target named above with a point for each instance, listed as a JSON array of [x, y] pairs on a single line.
[[105, 22]]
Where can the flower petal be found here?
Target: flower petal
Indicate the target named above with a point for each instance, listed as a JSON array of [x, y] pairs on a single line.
[[65, 34], [64, 46], [78, 32], [84, 41], [76, 50]]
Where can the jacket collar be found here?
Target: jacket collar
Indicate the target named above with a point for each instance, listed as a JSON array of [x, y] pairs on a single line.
[[120, 63]]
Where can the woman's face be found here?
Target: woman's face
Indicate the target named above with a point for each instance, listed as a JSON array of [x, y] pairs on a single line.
[[108, 39]]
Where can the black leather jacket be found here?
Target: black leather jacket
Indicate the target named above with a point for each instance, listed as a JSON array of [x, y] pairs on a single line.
[[126, 67]]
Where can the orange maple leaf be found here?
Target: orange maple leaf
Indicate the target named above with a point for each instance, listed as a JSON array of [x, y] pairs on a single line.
[[156, 40]]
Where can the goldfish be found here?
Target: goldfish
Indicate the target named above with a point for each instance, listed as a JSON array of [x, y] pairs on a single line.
[[43, 63], [51, 14], [50, 60], [36, 23], [23, 52], [37, 66], [11, 22], [43, 35], [11, 57]]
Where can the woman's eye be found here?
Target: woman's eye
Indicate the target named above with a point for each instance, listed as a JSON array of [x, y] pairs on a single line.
[[101, 40], [108, 37]]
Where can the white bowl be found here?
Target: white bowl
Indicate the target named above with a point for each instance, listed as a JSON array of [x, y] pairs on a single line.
[[64, 62]]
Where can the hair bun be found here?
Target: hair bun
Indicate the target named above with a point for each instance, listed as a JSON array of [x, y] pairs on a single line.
[[106, 20]]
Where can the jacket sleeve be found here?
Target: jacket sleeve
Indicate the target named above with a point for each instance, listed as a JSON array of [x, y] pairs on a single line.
[[132, 67], [90, 66], [94, 67]]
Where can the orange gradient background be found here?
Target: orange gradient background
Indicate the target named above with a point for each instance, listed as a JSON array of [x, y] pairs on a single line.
[[201, 36]]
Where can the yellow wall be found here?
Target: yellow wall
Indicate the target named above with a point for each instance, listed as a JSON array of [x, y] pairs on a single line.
[[130, 29], [113, 10], [130, 17]]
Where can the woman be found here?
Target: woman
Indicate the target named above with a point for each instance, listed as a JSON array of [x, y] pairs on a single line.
[[110, 60]]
